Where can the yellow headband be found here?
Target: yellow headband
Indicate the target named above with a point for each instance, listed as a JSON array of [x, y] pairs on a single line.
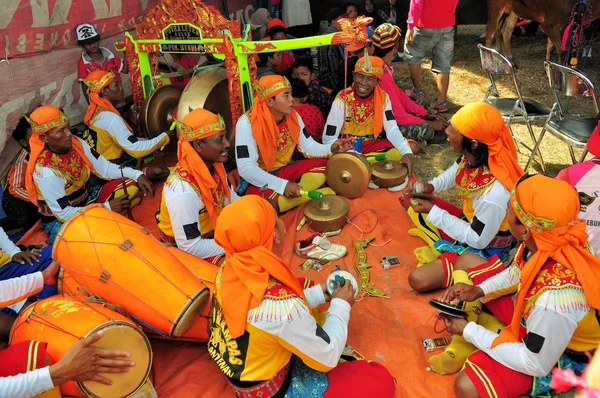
[[97, 85], [189, 134], [62, 120]]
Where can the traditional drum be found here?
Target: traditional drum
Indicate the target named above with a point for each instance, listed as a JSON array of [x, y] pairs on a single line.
[[117, 260], [389, 173], [68, 286], [327, 215], [348, 174], [62, 321]]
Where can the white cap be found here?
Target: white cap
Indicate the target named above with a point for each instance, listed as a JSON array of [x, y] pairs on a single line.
[[85, 31]]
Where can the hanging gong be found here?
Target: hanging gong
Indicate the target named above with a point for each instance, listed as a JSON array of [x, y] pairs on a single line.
[[348, 174], [208, 89], [156, 115], [328, 214], [389, 173]]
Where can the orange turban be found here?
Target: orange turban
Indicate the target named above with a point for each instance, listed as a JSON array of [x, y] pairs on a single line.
[[95, 82], [245, 231], [42, 120], [374, 66], [482, 122], [264, 125], [196, 125], [549, 209]]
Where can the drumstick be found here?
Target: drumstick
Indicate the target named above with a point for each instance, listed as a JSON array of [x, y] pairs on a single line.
[[312, 194], [379, 156], [124, 186]]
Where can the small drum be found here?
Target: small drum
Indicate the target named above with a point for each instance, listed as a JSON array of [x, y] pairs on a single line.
[[61, 322], [389, 173], [348, 174], [117, 260]]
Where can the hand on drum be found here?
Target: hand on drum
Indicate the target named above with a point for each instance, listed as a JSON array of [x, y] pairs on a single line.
[[28, 256], [50, 273], [342, 145], [345, 292], [408, 161], [84, 362], [120, 204], [292, 190], [145, 185]]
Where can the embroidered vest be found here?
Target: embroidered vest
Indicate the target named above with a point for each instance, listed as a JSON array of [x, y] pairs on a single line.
[[359, 114], [73, 169], [177, 176], [590, 184], [105, 144], [472, 183], [284, 149]]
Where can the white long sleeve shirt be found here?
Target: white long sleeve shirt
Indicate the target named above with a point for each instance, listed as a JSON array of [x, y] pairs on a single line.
[[490, 211], [52, 186], [553, 320], [120, 135], [336, 120], [32, 383], [7, 248], [248, 165]]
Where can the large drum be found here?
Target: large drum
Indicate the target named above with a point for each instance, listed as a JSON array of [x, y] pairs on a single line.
[[348, 174], [117, 260], [61, 322]]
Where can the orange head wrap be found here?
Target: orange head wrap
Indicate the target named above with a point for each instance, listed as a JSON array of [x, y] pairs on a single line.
[[374, 66], [95, 82], [549, 209], [482, 122], [264, 125], [196, 125], [250, 261], [42, 120]]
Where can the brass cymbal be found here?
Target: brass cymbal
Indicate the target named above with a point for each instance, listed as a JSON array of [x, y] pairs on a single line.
[[388, 173], [208, 89], [328, 214], [348, 174], [156, 114]]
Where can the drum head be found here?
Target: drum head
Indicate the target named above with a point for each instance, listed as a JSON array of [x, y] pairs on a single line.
[[348, 174], [190, 314], [448, 309], [122, 336]]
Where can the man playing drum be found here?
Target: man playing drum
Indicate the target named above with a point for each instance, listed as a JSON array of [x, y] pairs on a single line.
[[59, 172], [266, 137], [25, 368], [197, 189], [113, 137], [365, 111]]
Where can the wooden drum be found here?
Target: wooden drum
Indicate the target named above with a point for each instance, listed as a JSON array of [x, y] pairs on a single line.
[[117, 260], [61, 322]]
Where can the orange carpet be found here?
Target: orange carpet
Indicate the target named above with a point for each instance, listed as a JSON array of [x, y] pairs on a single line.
[[387, 330]]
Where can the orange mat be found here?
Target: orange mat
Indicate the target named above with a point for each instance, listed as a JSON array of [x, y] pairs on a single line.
[[387, 330]]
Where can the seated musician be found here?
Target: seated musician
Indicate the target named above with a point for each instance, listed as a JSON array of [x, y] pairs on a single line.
[[15, 263], [26, 370], [263, 335], [548, 297], [484, 173], [113, 136], [365, 111], [197, 188], [266, 137], [585, 177], [59, 170]]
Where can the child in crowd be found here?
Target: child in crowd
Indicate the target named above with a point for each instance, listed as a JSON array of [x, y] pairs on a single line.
[[310, 114], [278, 31], [268, 63], [317, 95]]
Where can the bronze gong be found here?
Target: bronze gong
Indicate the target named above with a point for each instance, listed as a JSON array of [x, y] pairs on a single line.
[[388, 173], [208, 89], [156, 115], [328, 214], [348, 174]]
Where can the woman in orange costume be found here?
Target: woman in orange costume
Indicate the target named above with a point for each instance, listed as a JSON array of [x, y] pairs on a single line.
[[263, 334]]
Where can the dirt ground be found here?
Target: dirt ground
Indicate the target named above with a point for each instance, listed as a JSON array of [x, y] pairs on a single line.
[[469, 83]]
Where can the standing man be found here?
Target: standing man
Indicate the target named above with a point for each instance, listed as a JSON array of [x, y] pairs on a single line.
[[430, 30]]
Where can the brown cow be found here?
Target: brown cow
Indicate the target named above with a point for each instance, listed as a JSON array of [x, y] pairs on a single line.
[[552, 15]]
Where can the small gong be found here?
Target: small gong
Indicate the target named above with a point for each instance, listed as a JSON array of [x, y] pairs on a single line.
[[348, 174], [389, 173], [327, 215], [156, 114]]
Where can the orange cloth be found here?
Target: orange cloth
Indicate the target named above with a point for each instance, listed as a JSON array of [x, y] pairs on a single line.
[[264, 126], [42, 120], [549, 208], [96, 81], [250, 261], [374, 66], [482, 122], [196, 125]]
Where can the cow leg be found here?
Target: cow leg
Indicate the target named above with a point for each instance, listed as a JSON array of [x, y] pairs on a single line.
[[495, 14], [554, 34], [507, 29]]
